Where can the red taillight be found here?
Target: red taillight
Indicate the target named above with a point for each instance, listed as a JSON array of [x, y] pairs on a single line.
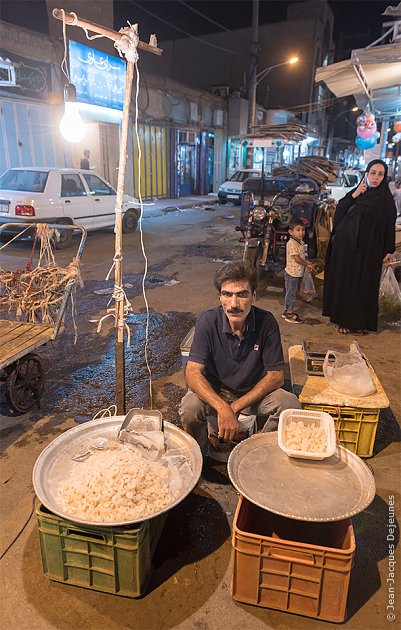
[[24, 211]]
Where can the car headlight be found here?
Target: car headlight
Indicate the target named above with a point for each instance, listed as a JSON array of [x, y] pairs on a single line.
[[259, 214]]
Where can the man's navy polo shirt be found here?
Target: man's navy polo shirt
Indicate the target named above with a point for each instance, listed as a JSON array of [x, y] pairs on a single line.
[[230, 362]]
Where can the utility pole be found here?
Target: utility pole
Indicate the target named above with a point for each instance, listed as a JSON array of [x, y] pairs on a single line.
[[253, 65], [252, 82], [126, 41]]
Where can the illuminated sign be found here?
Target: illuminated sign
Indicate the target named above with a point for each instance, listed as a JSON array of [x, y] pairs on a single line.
[[99, 78]]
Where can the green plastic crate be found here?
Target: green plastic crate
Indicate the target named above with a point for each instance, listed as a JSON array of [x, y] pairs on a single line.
[[110, 559], [355, 427]]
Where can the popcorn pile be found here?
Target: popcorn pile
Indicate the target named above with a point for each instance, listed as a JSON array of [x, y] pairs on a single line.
[[306, 437], [115, 485]]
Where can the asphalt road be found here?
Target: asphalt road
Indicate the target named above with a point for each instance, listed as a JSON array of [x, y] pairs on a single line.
[[190, 582]]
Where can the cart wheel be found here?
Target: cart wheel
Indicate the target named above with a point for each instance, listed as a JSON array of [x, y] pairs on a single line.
[[25, 383]]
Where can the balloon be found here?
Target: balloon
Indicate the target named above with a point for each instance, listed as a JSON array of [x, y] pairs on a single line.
[[365, 143], [360, 121], [397, 126], [366, 132], [370, 121]]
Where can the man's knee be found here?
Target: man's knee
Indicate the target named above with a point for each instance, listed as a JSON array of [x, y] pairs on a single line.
[[286, 400], [191, 409]]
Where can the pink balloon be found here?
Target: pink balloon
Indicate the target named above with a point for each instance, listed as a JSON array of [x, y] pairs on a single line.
[[366, 133]]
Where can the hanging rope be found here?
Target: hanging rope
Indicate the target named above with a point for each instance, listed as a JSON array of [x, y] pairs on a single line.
[[37, 294]]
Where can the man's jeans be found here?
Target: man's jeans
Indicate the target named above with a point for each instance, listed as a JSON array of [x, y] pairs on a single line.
[[291, 288], [194, 412]]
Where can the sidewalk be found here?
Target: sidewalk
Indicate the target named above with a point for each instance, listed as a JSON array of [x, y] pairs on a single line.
[[159, 207]]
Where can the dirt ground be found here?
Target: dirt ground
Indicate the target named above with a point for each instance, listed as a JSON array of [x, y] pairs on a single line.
[[192, 568]]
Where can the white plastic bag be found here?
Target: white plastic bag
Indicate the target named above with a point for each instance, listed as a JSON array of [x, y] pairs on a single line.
[[348, 373], [307, 287], [389, 293]]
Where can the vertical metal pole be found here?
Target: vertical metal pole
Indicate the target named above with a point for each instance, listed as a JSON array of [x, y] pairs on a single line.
[[383, 137], [118, 274], [252, 66]]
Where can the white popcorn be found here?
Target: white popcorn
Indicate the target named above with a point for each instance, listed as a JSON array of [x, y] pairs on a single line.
[[115, 485], [302, 436]]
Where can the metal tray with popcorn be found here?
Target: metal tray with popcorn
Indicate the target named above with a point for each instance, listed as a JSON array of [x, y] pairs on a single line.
[[306, 434]]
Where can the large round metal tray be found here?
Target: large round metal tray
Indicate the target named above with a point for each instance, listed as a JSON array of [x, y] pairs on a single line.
[[307, 490], [54, 463]]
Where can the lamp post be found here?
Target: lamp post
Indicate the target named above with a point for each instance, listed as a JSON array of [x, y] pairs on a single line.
[[255, 79], [333, 124]]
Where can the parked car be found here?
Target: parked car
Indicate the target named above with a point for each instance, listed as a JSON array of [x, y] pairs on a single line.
[[231, 190], [62, 195], [343, 184]]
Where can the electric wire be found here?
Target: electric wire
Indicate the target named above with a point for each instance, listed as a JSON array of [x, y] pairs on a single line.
[[7, 549], [64, 64], [141, 236], [205, 17], [180, 30]]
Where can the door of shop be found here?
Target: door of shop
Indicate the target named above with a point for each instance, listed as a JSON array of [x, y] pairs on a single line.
[[187, 167]]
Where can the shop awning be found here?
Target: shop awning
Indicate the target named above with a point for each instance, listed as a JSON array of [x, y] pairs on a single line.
[[371, 74]]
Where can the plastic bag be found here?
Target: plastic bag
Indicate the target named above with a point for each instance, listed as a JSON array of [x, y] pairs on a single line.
[[348, 373], [389, 293], [307, 288]]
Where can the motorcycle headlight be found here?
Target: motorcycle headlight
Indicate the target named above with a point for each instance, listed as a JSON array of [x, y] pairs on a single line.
[[259, 214]]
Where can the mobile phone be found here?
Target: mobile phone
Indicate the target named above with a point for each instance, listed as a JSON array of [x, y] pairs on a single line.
[[367, 182]]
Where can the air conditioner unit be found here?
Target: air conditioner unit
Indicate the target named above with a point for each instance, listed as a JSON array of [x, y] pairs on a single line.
[[218, 118], [194, 113], [221, 90], [7, 72]]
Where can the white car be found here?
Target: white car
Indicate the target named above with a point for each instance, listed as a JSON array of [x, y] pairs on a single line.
[[231, 190], [343, 184], [62, 195]]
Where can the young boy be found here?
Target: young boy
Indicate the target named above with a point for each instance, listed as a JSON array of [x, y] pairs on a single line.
[[294, 270]]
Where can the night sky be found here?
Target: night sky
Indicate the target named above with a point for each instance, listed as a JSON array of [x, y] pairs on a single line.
[[357, 22]]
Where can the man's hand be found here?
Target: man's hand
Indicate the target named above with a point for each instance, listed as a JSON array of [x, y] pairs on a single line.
[[228, 423]]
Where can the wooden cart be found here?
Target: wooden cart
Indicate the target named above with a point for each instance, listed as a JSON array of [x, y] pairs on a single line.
[[20, 366]]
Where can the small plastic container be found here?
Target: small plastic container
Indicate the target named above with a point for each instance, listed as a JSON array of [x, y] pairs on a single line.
[[316, 418]]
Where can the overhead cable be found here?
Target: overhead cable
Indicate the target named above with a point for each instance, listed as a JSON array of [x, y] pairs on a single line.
[[188, 6], [139, 6]]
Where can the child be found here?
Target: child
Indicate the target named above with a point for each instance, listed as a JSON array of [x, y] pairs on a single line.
[[294, 270]]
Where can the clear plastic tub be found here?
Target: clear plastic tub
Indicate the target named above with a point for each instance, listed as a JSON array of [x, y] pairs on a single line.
[[309, 418]]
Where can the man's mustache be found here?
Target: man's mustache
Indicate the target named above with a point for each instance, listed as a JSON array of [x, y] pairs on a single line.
[[235, 311]]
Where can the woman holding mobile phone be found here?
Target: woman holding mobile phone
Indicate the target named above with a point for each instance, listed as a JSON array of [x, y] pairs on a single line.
[[363, 237]]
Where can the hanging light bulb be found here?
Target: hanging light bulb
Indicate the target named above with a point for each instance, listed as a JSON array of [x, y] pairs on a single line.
[[72, 127]]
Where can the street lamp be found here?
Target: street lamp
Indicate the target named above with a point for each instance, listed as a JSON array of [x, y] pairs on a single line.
[[333, 124], [261, 75], [255, 79]]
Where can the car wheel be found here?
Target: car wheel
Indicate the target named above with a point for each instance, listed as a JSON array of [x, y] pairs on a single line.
[[130, 221], [63, 238]]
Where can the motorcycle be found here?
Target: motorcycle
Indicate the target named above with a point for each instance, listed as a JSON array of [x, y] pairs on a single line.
[[264, 231]]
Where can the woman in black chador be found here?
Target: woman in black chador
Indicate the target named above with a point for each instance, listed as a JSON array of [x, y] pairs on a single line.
[[363, 237]]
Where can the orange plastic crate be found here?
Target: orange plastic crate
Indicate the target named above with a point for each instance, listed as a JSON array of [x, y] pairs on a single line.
[[295, 566]]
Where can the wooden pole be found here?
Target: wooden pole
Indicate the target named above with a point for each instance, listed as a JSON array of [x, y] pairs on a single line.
[[118, 273], [73, 20]]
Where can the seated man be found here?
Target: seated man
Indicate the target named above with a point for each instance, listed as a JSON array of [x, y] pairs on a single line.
[[236, 361]]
